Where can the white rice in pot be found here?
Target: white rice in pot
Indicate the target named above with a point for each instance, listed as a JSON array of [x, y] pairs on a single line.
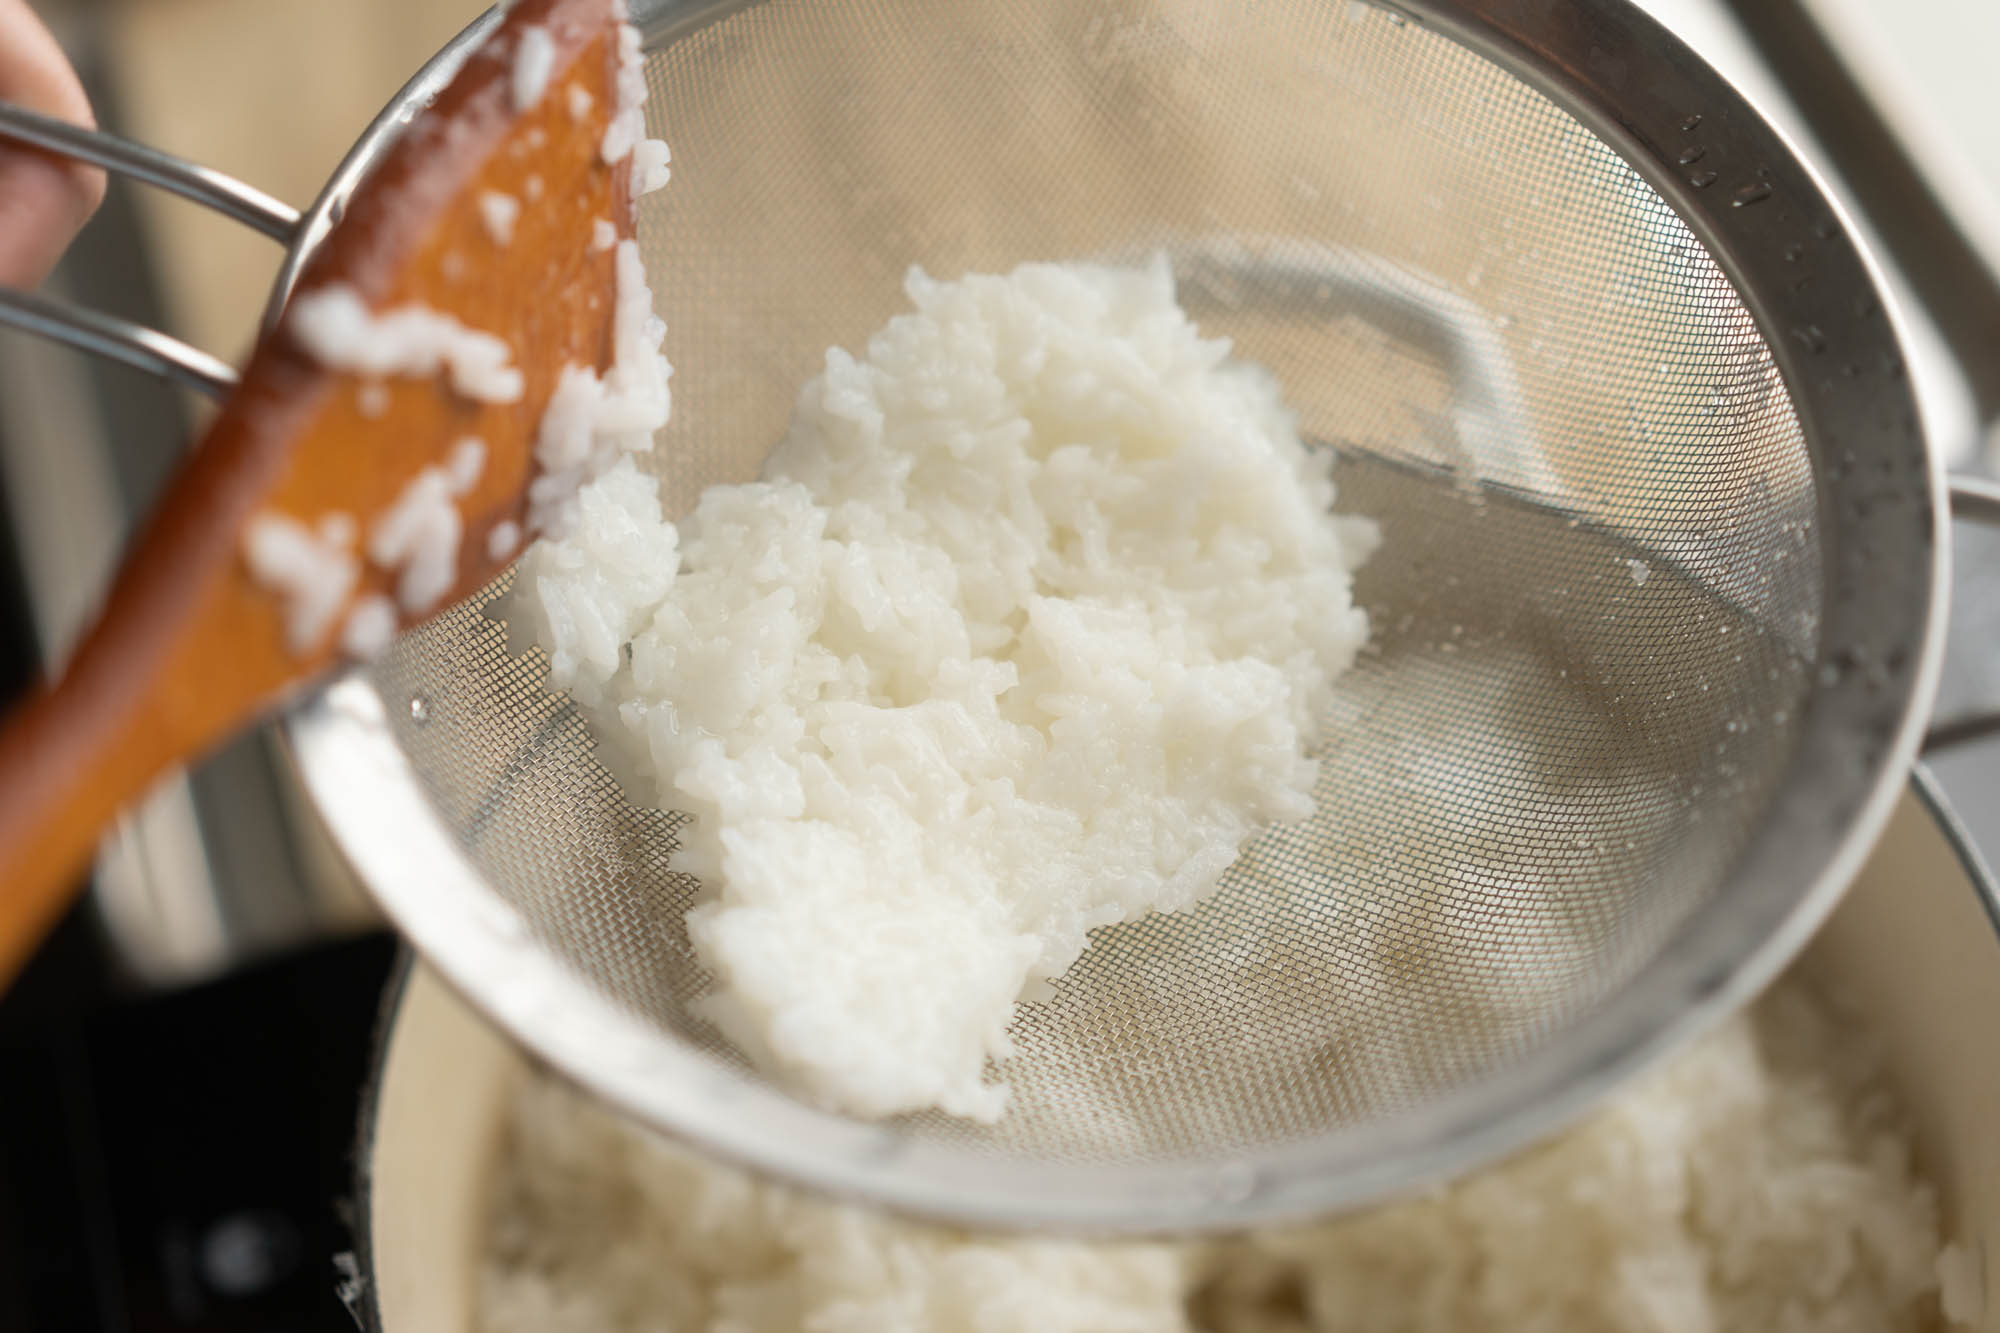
[[1762, 1183]]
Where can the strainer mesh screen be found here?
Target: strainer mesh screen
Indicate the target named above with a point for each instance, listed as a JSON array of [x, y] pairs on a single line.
[[1583, 677]]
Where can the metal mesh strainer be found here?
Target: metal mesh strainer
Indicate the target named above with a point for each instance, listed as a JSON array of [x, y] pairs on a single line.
[[1653, 612]]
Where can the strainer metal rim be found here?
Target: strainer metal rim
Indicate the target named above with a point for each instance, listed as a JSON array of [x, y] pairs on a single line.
[[1636, 85], [374, 1251]]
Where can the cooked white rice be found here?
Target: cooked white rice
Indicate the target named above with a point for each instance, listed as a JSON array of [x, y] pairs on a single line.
[[1761, 1184], [1025, 631]]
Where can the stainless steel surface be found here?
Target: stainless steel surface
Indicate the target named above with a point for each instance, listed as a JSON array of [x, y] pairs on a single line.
[[1920, 198], [118, 340], [1916, 61], [108, 336], [1913, 948], [1481, 437], [1968, 699], [1975, 498], [1713, 612], [211, 189]]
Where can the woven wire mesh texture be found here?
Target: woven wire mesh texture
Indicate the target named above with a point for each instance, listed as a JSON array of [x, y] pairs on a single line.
[[1590, 637]]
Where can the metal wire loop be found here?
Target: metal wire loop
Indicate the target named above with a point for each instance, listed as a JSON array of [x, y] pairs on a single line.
[[117, 340], [107, 336]]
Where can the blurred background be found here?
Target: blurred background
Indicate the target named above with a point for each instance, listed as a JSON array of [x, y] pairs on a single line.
[[225, 865], [180, 1069]]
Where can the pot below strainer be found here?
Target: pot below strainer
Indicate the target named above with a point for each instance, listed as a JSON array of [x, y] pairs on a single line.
[[1655, 612], [433, 1125], [1655, 615]]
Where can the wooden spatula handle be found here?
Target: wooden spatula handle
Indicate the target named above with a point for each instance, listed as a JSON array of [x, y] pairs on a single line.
[[68, 764], [185, 650], [189, 647]]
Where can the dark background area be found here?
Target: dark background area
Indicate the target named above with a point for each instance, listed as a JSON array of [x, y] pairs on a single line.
[[181, 1162]]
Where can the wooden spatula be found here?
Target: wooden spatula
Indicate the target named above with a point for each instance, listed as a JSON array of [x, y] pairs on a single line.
[[489, 209]]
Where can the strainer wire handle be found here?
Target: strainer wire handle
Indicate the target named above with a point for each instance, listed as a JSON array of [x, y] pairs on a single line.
[[106, 336], [1973, 500], [118, 340], [212, 189]]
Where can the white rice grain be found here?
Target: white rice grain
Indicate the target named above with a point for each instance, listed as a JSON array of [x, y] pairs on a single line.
[[503, 539], [418, 535], [534, 64], [369, 629], [336, 327], [1762, 1182], [499, 212], [312, 573], [465, 464], [1024, 633], [593, 421]]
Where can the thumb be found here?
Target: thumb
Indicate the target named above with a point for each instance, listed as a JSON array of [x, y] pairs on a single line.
[[44, 199]]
